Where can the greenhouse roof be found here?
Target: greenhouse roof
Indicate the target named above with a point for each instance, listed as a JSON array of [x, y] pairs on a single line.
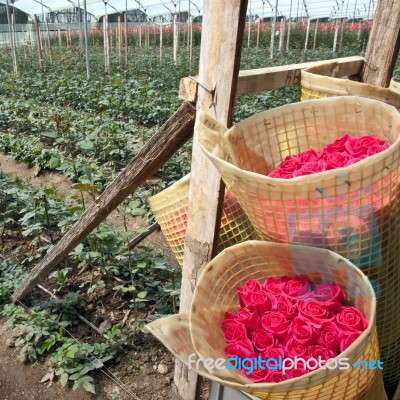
[[262, 8]]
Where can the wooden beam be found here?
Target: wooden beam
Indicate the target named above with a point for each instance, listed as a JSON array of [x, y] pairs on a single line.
[[221, 44], [258, 80], [154, 154], [383, 44]]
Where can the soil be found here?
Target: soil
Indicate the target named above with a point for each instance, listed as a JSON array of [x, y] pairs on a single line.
[[139, 373]]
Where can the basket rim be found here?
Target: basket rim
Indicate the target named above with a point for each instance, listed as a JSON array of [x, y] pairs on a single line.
[[316, 177], [368, 332]]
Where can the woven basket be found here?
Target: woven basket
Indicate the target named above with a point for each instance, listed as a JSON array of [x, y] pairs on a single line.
[[170, 211], [362, 198], [321, 81], [216, 293]]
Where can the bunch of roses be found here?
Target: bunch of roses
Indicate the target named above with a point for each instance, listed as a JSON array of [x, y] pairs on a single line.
[[341, 153], [289, 317]]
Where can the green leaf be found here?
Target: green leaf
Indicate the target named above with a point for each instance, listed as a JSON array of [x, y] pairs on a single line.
[[86, 145], [85, 187], [48, 377], [142, 295], [52, 135], [89, 387], [64, 379]]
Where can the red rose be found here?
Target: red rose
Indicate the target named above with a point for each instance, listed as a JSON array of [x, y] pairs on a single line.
[[286, 307], [354, 160], [358, 147], [275, 351], [273, 285], [314, 313], [289, 165], [348, 340], [263, 340], [321, 351], [233, 330], [296, 288], [294, 348], [276, 376], [275, 323], [310, 168], [303, 332], [242, 349], [278, 173], [338, 146], [248, 318], [245, 292], [308, 156], [295, 373], [330, 337], [350, 320], [263, 301], [258, 375], [336, 160], [329, 294], [376, 148]]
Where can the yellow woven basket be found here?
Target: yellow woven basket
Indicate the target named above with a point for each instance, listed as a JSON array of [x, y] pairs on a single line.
[[363, 198], [321, 81], [200, 333], [170, 211]]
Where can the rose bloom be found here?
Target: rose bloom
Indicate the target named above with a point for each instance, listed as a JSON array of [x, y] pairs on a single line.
[[329, 294], [258, 375], [248, 318], [336, 160], [296, 288], [330, 337], [289, 164], [245, 292], [338, 146], [273, 285], [241, 349], [358, 147], [310, 168], [314, 313], [275, 323], [262, 340], [321, 351], [376, 148], [294, 348], [311, 155], [233, 330], [263, 301], [286, 307], [278, 173], [276, 376], [275, 351], [303, 332], [350, 320], [348, 340]]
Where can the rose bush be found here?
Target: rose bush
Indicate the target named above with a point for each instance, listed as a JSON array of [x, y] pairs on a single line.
[[290, 317]]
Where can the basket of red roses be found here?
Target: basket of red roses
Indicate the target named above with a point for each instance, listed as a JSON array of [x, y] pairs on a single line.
[[281, 322], [170, 211], [321, 81], [323, 173]]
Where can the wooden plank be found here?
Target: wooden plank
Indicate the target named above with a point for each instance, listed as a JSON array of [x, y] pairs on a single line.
[[154, 154], [258, 80], [221, 43], [383, 44]]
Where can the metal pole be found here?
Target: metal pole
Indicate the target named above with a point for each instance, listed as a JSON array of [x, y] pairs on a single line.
[[273, 31], [80, 23], [289, 26], [86, 40], [126, 32]]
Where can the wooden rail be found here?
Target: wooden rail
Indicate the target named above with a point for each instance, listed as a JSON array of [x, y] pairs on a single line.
[[258, 80]]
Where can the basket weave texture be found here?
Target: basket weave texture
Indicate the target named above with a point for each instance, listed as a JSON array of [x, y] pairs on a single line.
[[170, 211], [354, 211], [321, 81], [216, 293]]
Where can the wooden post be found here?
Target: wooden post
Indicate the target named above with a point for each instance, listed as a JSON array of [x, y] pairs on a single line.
[[191, 42], [153, 155], [49, 41], [315, 34], [282, 36], [39, 48], [344, 23], [307, 34], [161, 41], [119, 36], [258, 33], [140, 35], [175, 49], [126, 38], [59, 37], [383, 44], [222, 36], [335, 39], [248, 33]]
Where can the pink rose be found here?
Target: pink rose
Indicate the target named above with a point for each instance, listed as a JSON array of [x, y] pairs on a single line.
[[275, 323], [336, 160], [278, 173], [273, 285], [308, 156], [310, 168], [376, 148], [354, 160], [258, 375], [296, 288], [294, 348], [338, 146], [276, 376], [289, 165], [314, 313], [286, 307], [348, 340], [303, 332], [245, 292], [330, 337], [295, 373], [241, 349], [358, 147], [321, 351], [248, 318], [350, 320], [233, 330], [275, 351], [263, 301], [263, 340], [329, 294]]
